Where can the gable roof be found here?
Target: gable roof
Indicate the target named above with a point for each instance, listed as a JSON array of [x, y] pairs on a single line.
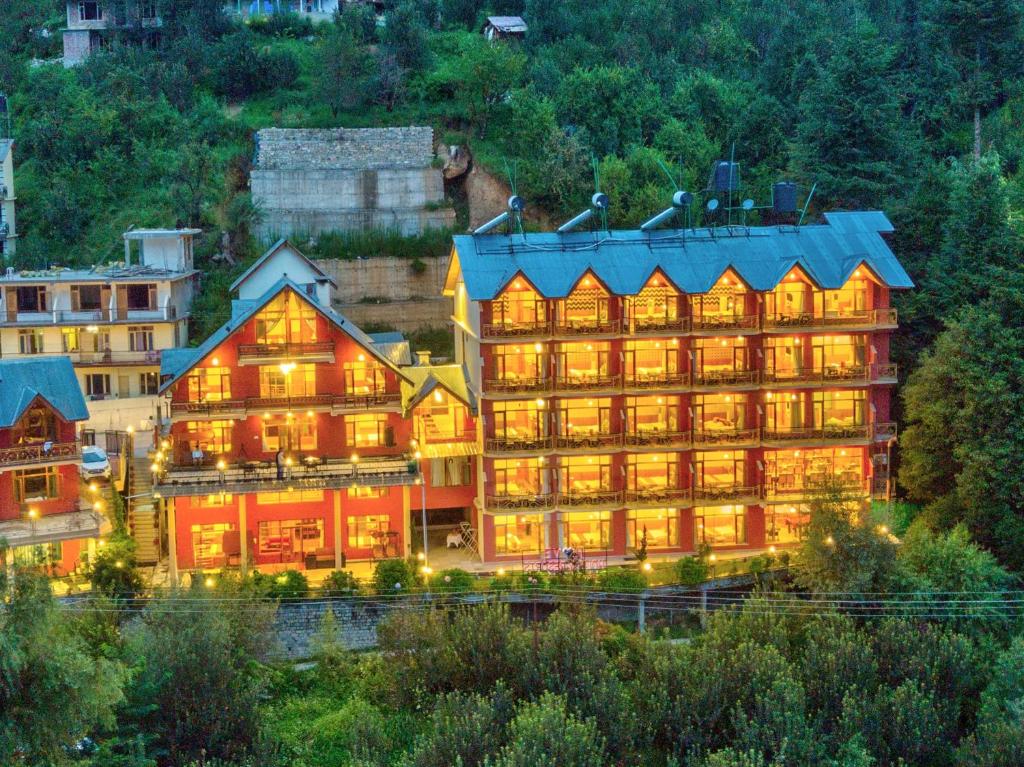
[[51, 379], [507, 24], [423, 379], [273, 250], [693, 259], [393, 346], [175, 363]]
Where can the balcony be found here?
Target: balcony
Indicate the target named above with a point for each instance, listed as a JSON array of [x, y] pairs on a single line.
[[268, 354], [257, 477], [582, 441], [786, 488], [839, 434], [884, 431], [516, 444], [336, 403], [517, 385], [591, 499], [41, 453], [587, 382], [725, 323], [833, 374], [654, 326], [719, 378], [733, 493], [587, 327], [520, 502], [110, 357], [659, 497], [865, 319], [658, 439], [531, 328], [724, 436], [657, 379]]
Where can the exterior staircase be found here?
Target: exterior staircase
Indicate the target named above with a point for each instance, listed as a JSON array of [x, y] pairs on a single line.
[[142, 512]]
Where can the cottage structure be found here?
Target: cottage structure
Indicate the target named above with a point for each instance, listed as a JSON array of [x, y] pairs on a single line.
[[91, 23], [504, 28]]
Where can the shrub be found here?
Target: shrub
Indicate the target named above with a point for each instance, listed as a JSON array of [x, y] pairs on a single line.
[[531, 581], [355, 732], [453, 580], [502, 582], [625, 580], [112, 572], [544, 732], [394, 576], [289, 584], [692, 570], [340, 583], [464, 729]]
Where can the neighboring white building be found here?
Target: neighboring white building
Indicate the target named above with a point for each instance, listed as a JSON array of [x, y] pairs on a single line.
[[91, 21], [8, 227], [316, 8], [113, 321]]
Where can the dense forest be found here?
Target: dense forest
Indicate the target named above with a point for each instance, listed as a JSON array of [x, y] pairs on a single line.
[[913, 107]]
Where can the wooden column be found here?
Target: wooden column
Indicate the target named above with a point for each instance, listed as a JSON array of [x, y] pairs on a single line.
[[243, 535], [338, 552]]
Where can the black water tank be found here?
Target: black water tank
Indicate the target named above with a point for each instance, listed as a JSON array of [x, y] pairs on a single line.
[[784, 197], [726, 176]]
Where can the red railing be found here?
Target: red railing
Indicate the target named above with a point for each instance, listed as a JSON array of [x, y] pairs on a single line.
[[344, 401], [39, 453], [309, 349]]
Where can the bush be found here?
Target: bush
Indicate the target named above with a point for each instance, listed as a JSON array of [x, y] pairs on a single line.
[[340, 583], [625, 580], [692, 570], [112, 572], [544, 732], [531, 581], [289, 24], [289, 584], [464, 729], [453, 580], [243, 70], [394, 576], [502, 582], [357, 732]]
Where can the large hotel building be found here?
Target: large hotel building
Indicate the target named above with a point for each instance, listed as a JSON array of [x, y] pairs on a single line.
[[686, 387]]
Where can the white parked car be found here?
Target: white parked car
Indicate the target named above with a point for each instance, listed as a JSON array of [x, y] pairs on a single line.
[[94, 463]]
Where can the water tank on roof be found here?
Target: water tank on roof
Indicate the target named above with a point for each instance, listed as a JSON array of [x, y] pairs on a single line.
[[784, 197], [726, 176]]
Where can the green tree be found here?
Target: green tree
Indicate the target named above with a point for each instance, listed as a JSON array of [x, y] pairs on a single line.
[[346, 69], [484, 76], [543, 733], [850, 137], [405, 36], [52, 690]]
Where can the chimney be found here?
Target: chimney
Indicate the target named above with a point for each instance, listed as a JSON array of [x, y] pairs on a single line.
[[422, 358]]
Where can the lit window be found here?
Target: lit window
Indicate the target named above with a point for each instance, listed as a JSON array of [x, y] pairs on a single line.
[[368, 430]]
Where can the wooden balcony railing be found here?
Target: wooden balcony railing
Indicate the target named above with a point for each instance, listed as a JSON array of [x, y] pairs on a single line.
[[340, 401], [725, 377], [886, 370], [517, 330], [659, 325], [591, 498], [864, 317], [587, 327], [587, 382], [39, 453], [704, 493], [656, 380], [116, 357], [726, 322], [658, 496], [520, 502], [792, 488], [827, 374], [587, 441], [654, 438], [810, 433], [516, 444], [514, 385], [287, 351], [723, 436]]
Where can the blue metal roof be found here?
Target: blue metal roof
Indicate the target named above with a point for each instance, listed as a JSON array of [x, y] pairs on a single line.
[[693, 259], [52, 378], [174, 363]]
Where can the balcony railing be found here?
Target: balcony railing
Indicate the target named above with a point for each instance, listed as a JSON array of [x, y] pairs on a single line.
[[786, 488], [334, 401], [726, 322], [706, 493], [257, 476], [727, 436], [514, 385], [827, 374], [815, 434], [510, 444], [865, 317], [658, 496], [656, 438], [588, 441], [884, 431], [116, 357], [726, 377], [590, 498], [40, 453], [656, 380], [587, 382], [587, 327], [517, 330], [520, 501], [649, 325], [285, 351]]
